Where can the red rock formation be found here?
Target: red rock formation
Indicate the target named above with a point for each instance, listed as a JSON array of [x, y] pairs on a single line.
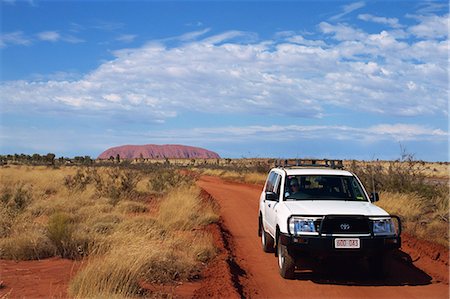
[[154, 151]]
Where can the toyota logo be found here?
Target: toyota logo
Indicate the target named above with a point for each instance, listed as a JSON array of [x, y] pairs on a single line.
[[345, 226]]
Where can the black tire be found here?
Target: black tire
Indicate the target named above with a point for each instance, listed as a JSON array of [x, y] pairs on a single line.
[[286, 264], [267, 241], [380, 265]]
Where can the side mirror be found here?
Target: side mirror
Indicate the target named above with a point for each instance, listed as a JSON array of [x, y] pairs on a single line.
[[272, 196], [374, 197]]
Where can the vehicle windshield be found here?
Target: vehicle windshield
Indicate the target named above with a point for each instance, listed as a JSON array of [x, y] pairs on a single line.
[[323, 187]]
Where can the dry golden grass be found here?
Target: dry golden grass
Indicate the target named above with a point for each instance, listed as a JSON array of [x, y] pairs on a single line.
[[138, 258], [156, 249], [243, 177], [421, 217], [72, 213], [182, 209], [436, 170], [255, 178], [30, 245]]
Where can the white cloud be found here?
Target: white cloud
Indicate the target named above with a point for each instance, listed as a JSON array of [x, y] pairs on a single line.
[[21, 39], [343, 32], [229, 35], [346, 9], [404, 132], [298, 39], [392, 22], [431, 26], [63, 140], [72, 39], [193, 35], [431, 7], [14, 38], [51, 36], [126, 38], [194, 24], [284, 133], [356, 71]]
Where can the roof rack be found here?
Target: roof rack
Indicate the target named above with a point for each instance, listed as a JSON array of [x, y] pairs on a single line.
[[298, 163]]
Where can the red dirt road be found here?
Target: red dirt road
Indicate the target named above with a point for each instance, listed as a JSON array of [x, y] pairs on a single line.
[[256, 272]]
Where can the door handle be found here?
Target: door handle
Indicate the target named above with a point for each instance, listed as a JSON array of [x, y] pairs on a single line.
[[268, 205]]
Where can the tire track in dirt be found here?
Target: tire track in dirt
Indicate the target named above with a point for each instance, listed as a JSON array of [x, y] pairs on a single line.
[[259, 277]]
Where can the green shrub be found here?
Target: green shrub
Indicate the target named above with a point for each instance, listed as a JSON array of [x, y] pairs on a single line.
[[167, 179], [80, 180], [59, 231], [406, 176], [16, 197], [116, 184], [170, 265], [29, 245]]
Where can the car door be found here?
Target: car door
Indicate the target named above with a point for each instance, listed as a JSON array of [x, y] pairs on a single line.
[[270, 206]]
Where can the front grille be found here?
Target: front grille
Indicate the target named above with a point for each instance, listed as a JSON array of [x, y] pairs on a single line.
[[345, 225]]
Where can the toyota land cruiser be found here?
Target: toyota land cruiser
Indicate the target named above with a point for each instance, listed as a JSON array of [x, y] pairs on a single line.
[[315, 209]]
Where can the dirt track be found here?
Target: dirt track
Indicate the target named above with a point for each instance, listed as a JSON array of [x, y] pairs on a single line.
[[256, 273]]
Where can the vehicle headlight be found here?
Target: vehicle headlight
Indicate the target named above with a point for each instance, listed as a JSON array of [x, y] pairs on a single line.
[[384, 226], [303, 226]]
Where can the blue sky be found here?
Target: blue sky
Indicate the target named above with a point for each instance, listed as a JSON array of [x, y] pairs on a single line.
[[334, 79]]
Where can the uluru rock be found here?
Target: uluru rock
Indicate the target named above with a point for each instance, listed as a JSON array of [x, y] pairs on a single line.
[[154, 151]]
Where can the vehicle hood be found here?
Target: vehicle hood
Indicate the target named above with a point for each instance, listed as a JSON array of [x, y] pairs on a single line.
[[334, 207]]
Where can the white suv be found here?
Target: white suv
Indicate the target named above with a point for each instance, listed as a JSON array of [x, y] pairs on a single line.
[[317, 209]]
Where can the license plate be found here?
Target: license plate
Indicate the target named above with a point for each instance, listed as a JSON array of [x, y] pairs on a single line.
[[346, 243]]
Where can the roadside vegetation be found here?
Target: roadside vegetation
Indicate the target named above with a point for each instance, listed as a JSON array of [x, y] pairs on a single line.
[[416, 191], [129, 226]]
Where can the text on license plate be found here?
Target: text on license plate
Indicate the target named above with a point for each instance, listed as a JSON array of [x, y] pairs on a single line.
[[346, 243]]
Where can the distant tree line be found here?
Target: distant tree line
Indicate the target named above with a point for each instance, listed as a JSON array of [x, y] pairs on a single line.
[[48, 159]]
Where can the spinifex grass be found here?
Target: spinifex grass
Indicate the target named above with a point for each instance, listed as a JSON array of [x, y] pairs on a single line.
[[159, 248], [125, 236]]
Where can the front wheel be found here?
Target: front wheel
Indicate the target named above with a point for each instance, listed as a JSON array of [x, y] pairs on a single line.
[[286, 264]]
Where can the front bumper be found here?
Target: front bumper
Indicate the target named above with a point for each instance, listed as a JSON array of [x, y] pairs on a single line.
[[324, 245]]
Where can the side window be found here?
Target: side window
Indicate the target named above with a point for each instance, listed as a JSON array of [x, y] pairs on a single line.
[[278, 188], [271, 182]]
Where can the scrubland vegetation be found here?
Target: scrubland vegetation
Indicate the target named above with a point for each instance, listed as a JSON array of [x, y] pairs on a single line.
[[128, 226], [416, 191], [131, 224], [238, 176]]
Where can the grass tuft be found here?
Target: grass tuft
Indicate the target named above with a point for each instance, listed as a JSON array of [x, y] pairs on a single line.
[[30, 245], [182, 209]]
